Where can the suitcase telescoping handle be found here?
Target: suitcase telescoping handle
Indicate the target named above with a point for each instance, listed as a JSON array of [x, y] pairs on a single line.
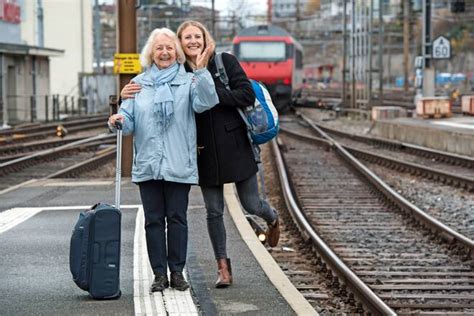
[[118, 168]]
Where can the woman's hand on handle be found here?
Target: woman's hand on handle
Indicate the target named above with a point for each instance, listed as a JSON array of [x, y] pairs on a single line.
[[114, 118], [129, 90]]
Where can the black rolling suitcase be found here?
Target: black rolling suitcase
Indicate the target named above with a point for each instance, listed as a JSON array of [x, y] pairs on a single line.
[[94, 257]]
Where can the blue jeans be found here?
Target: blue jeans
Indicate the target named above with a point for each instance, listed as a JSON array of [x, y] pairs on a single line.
[[165, 204], [250, 200]]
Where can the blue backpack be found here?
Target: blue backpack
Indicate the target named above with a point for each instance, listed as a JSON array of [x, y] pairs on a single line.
[[262, 117]]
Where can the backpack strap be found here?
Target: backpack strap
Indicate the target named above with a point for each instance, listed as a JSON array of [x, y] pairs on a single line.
[[221, 70], [222, 74]]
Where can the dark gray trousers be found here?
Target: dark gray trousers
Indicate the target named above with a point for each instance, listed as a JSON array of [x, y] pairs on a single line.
[[247, 191], [165, 204]]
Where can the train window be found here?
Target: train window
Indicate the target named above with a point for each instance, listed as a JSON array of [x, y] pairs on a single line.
[[299, 59], [262, 51]]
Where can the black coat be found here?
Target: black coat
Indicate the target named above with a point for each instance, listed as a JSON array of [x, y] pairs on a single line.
[[224, 151]]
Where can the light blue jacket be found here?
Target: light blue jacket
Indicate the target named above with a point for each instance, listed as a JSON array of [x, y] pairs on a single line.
[[170, 154]]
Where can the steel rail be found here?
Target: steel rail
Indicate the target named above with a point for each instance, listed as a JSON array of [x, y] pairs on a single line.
[[466, 182], [16, 138], [48, 152], [360, 290], [424, 150], [426, 220], [53, 125], [104, 155], [41, 144]]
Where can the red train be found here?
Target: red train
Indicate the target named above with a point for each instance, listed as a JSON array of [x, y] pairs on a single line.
[[271, 55]]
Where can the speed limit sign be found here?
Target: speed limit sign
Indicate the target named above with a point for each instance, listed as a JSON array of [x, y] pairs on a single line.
[[441, 48]]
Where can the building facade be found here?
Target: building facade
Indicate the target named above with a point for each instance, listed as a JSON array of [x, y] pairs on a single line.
[[24, 68], [64, 25]]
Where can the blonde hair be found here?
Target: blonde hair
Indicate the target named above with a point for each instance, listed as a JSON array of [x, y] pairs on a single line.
[[208, 40], [146, 56]]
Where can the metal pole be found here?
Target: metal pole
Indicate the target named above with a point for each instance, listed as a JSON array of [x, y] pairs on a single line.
[[270, 13], [428, 69], [371, 69], [406, 44], [46, 108], [381, 46], [40, 22], [213, 10], [353, 64], [83, 61], [32, 109], [127, 43], [344, 52], [33, 79], [3, 90], [97, 37]]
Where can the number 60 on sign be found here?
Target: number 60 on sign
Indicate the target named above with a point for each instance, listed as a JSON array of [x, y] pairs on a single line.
[[441, 48]]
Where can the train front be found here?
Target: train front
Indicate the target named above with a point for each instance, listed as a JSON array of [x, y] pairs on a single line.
[[269, 54]]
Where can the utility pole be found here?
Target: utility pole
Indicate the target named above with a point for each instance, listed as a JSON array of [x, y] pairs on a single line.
[[353, 56], [98, 35], [269, 11], [406, 44], [380, 52], [344, 52], [126, 43], [428, 69], [213, 10], [40, 21]]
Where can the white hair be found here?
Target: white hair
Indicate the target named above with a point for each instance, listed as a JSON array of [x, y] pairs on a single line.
[[146, 56]]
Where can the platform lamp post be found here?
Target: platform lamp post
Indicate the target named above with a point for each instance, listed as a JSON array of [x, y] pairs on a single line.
[[126, 43]]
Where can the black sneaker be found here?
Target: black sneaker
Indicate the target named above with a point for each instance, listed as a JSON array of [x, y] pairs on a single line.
[[160, 283], [178, 282]]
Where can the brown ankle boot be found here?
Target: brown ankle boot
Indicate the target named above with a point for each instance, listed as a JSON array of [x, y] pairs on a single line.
[[224, 273]]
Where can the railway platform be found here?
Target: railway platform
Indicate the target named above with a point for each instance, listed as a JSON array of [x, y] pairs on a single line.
[[35, 227], [454, 134]]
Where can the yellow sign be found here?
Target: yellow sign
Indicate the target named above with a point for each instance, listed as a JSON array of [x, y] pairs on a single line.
[[127, 64]]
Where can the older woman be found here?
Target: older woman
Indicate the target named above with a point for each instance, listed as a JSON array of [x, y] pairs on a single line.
[[161, 119]]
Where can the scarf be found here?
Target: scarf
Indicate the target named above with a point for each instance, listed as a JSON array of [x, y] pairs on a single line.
[[163, 99]]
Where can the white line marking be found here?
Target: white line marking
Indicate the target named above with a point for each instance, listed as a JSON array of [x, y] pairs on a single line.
[[170, 301], [12, 217]]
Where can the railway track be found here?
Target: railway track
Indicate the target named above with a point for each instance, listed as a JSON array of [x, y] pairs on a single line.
[[403, 158], [396, 265], [448, 168], [11, 152], [14, 136], [64, 161]]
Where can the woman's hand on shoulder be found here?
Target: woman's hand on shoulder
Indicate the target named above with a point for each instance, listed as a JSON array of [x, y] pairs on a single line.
[[130, 89]]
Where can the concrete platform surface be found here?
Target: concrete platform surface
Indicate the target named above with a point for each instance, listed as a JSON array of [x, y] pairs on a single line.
[[36, 221]]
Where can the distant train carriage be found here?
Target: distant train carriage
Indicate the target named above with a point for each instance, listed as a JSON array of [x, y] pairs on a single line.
[[271, 55]]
